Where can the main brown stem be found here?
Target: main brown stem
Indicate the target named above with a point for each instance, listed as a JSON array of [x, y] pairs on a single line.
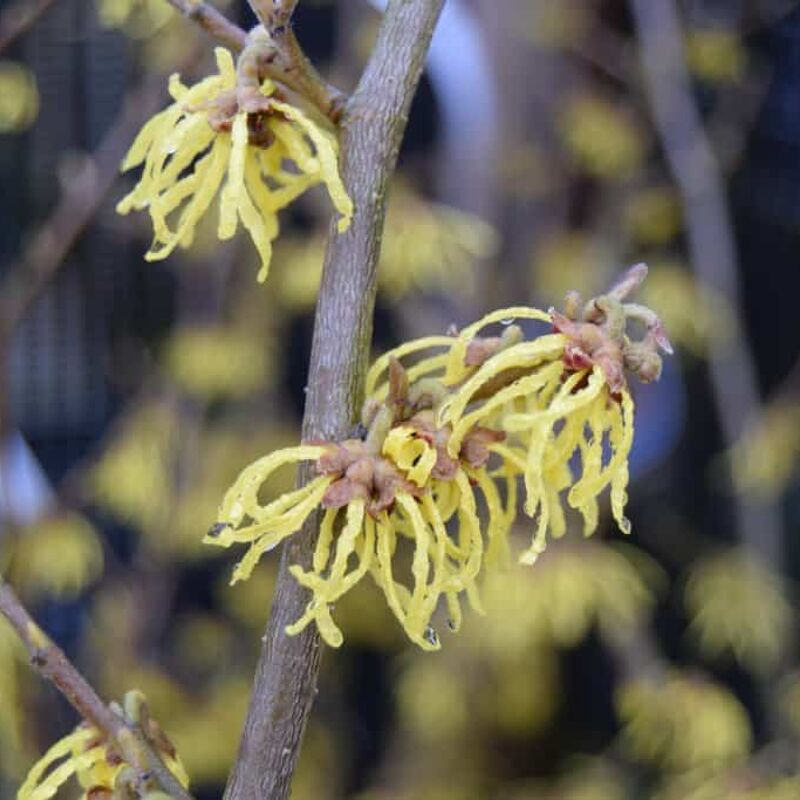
[[371, 131], [49, 660]]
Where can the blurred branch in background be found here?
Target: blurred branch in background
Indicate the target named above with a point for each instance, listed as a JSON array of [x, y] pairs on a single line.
[[82, 198], [18, 18], [49, 660], [711, 245]]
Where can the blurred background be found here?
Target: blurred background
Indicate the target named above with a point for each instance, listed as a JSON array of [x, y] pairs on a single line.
[[551, 145]]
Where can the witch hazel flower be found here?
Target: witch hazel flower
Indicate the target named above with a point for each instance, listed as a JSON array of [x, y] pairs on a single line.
[[236, 136], [451, 423]]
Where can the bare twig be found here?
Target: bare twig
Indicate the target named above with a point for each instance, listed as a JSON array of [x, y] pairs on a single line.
[[711, 242], [273, 14], [49, 660], [213, 22], [372, 128], [295, 70], [18, 18]]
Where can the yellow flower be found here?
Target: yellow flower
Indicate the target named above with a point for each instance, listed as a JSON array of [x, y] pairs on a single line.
[[570, 258], [60, 555], [551, 415], [603, 139], [574, 587], [653, 216], [426, 247], [216, 362], [379, 506], [738, 606], [214, 129], [139, 18], [695, 314], [98, 767], [682, 722], [13, 659], [740, 783], [717, 56], [133, 477], [429, 246], [19, 97], [765, 459]]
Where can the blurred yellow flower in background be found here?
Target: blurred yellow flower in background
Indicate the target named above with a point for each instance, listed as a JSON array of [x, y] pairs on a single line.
[[680, 722], [603, 138], [132, 477], [584, 779], [217, 362], [716, 55], [575, 586], [693, 313], [19, 97], [765, 459], [735, 784], [59, 555], [426, 247], [567, 258], [653, 216], [738, 606], [13, 658], [138, 18], [552, 24]]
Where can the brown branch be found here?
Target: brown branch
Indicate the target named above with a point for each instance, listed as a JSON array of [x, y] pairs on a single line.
[[711, 244], [213, 22], [275, 53], [372, 129], [50, 661], [18, 18], [273, 14], [293, 68]]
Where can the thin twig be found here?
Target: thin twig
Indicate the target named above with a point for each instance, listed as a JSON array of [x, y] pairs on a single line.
[[711, 243], [50, 661], [273, 14], [213, 22], [293, 68], [372, 128], [18, 18]]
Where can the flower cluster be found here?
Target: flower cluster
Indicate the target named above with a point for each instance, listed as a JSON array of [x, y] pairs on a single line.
[[232, 124], [447, 437], [100, 769]]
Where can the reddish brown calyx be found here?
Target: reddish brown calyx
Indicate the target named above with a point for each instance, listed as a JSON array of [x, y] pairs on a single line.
[[475, 447], [597, 333], [361, 475]]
